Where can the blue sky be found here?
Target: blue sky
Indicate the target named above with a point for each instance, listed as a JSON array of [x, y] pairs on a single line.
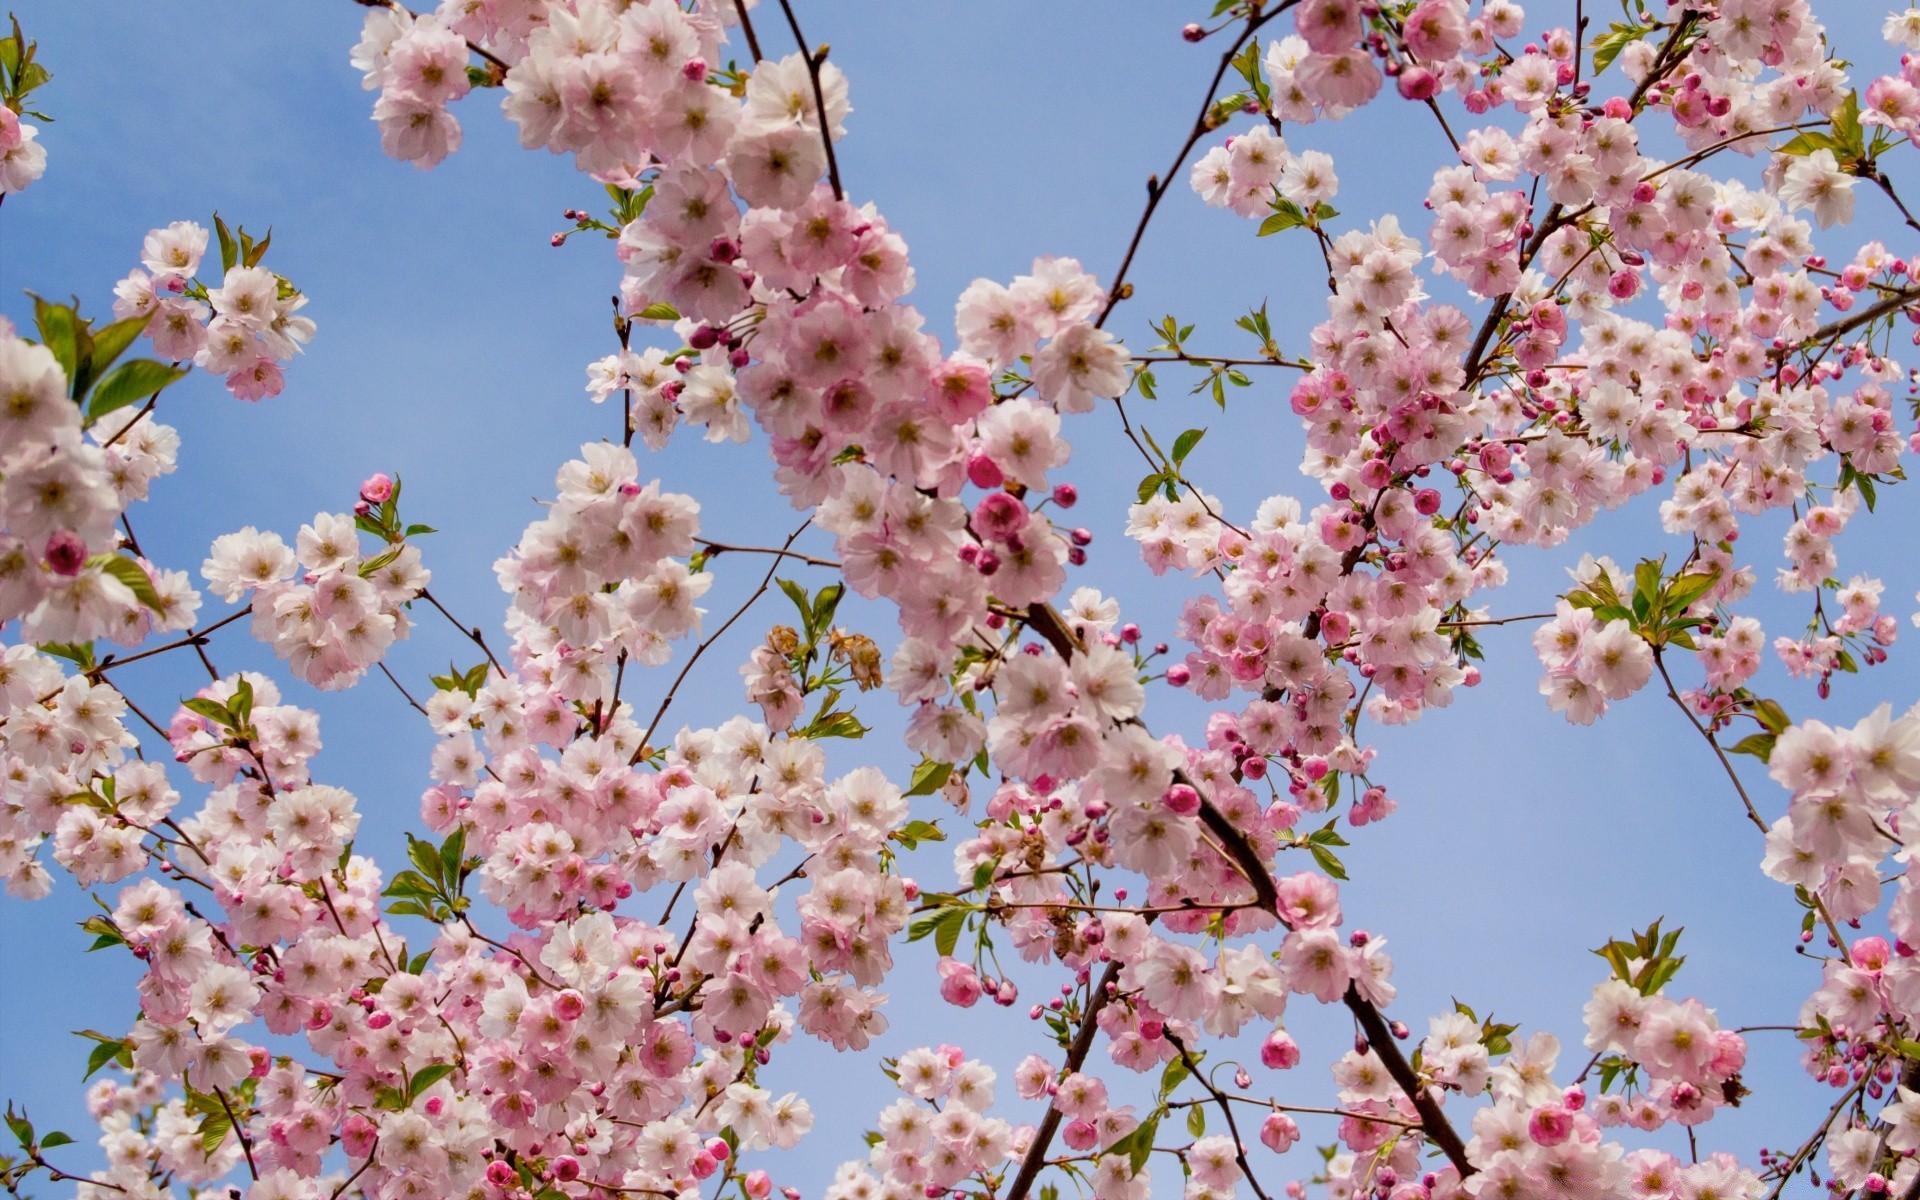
[[451, 346]]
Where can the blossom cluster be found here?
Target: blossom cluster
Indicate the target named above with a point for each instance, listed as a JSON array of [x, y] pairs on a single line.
[[591, 1051]]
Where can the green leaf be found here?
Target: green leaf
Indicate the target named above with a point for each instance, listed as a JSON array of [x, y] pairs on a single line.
[[944, 925], [453, 854], [56, 1138], [1770, 714], [1807, 143], [1846, 127], [659, 312], [1327, 860], [983, 873], [229, 249], [835, 724], [109, 343], [212, 710], [798, 595], [1142, 1148], [21, 1127], [105, 934], [132, 575], [130, 383], [104, 1053], [80, 654], [1184, 444], [1685, 589], [1286, 215], [1760, 745], [824, 604], [1197, 1121], [59, 326], [426, 1077], [1618, 37], [214, 1129], [251, 251], [1176, 1073], [1646, 587], [929, 777], [913, 833]]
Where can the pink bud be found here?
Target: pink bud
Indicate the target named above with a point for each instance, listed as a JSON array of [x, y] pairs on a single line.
[[377, 489], [1182, 799], [758, 1184], [66, 553], [1279, 1132], [1279, 1052], [1418, 83]]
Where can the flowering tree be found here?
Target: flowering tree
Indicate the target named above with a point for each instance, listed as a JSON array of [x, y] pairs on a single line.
[[496, 1018]]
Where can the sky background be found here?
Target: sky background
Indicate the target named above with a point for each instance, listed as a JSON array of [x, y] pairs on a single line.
[[451, 346]]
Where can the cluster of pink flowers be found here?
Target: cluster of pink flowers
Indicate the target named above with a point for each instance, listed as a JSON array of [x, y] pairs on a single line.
[[328, 610], [590, 1051], [64, 483], [242, 329]]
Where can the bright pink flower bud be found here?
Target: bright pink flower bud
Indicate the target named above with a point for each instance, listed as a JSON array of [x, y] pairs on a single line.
[[999, 516], [569, 1006], [1182, 799], [566, 1168], [357, 1136], [66, 553], [1080, 1134], [719, 1149], [983, 472], [703, 1165], [1418, 83], [1279, 1052], [499, 1174], [959, 984], [758, 1184], [1550, 1125], [377, 489], [1279, 1132]]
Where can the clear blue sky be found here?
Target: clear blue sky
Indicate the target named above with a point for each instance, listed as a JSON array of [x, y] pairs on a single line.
[[450, 351]]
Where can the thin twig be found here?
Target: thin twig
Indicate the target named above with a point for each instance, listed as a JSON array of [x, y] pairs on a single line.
[[813, 61]]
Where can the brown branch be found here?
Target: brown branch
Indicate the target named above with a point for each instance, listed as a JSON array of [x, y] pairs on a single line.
[[766, 581], [1036, 1155], [813, 59], [1157, 185], [1432, 1120], [1226, 1110]]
